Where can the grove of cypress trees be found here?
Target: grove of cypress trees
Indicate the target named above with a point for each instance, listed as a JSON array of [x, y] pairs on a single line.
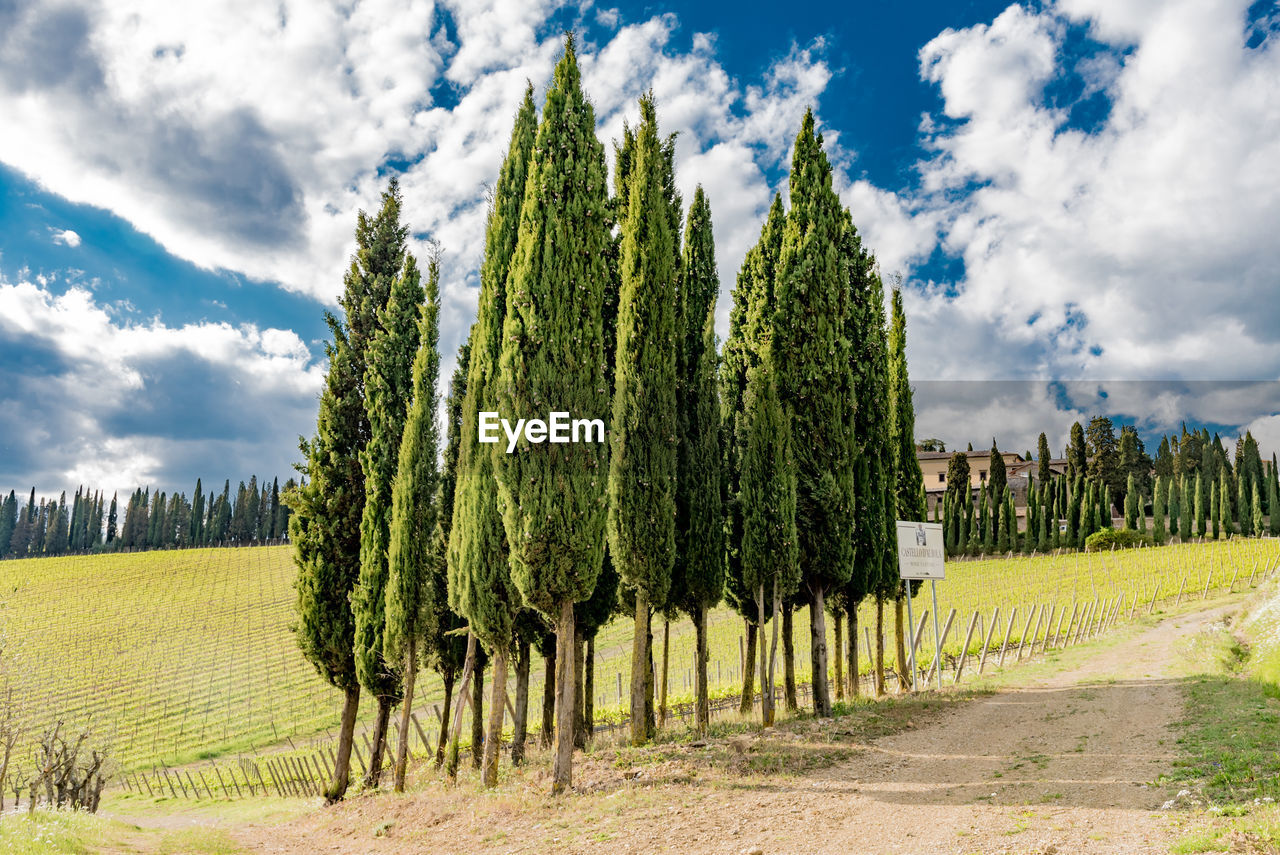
[[413, 513], [553, 497], [768, 502], [815, 384], [480, 584], [698, 575]]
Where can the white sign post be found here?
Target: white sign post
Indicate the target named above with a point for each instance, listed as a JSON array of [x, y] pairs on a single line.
[[922, 555]]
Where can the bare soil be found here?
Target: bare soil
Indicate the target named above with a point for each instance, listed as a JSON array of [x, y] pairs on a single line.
[[1067, 763]]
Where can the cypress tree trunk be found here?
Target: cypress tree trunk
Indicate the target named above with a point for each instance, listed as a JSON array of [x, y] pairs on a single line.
[[562, 767], [666, 662], [589, 690], [477, 716], [346, 736], [879, 645], [549, 699], [468, 673], [900, 620], [839, 628], [639, 670], [788, 659], [374, 776], [818, 657], [579, 712], [497, 712], [520, 722], [406, 709], [766, 689], [748, 669], [702, 714], [853, 652], [650, 684], [444, 720]]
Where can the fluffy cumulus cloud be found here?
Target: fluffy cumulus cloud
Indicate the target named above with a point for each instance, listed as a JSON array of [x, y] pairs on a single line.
[[1108, 172], [118, 404]]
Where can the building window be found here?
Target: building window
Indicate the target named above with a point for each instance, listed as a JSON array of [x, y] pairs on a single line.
[[942, 477], [982, 475]]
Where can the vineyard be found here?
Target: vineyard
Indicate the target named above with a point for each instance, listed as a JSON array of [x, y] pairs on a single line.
[[172, 658]]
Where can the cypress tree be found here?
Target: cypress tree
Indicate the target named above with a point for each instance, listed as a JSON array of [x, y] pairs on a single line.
[[997, 476], [815, 385], [553, 496], [1255, 504], [750, 321], [1215, 515], [1244, 513], [413, 513], [909, 480], [8, 521], [768, 501], [1044, 473], [874, 572], [1158, 502], [1186, 508], [480, 584], [1003, 541], [388, 383], [1224, 504], [643, 456], [1131, 505], [698, 575], [328, 507], [1201, 508], [1273, 512], [112, 516], [1077, 455], [1075, 538]]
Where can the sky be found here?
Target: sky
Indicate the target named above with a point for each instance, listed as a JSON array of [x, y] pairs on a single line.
[[1081, 199]]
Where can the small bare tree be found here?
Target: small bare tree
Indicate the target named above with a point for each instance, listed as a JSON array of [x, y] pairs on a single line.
[[69, 778], [12, 729]]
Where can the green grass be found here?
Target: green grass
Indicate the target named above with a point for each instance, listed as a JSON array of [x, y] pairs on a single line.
[[51, 832], [187, 656]]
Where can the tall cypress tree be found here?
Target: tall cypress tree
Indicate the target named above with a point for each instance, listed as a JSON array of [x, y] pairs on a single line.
[[750, 321], [874, 573], [909, 480], [1273, 510], [8, 521], [1186, 508], [553, 496], [413, 512], [643, 457], [698, 574], [388, 383], [812, 356], [768, 498], [1077, 455], [328, 508], [1042, 450], [998, 477], [480, 585], [1159, 502], [1201, 506], [1131, 505], [1244, 511]]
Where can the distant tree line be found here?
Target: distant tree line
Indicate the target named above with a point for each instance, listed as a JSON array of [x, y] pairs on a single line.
[[148, 520], [1192, 489]]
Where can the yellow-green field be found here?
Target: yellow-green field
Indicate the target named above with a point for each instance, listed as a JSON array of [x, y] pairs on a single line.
[[173, 657]]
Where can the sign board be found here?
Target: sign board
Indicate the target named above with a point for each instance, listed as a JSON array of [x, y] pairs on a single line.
[[920, 550]]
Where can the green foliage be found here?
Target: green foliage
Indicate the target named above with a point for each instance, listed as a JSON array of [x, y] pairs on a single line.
[[874, 568], [1077, 454], [643, 455], [997, 475], [1158, 506], [750, 324], [552, 497], [414, 492], [1131, 505], [812, 359], [1119, 538], [1186, 504], [388, 384], [1044, 474], [698, 575], [768, 494], [480, 584]]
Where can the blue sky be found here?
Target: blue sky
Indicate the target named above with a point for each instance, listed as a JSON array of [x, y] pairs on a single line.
[[1080, 198]]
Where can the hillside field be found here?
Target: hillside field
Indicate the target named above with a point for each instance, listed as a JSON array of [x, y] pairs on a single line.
[[177, 656]]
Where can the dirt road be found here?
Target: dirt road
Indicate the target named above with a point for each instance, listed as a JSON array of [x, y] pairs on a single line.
[[1065, 764]]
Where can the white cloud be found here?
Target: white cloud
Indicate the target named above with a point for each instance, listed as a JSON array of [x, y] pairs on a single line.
[[1143, 247], [66, 237], [118, 404]]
